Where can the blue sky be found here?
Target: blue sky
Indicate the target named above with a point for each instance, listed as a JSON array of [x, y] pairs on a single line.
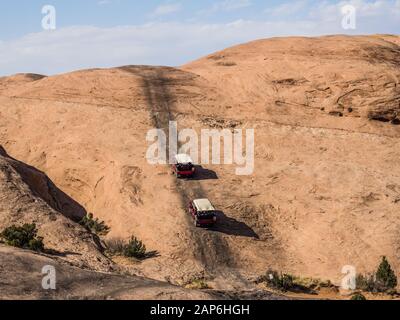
[[19, 17], [105, 33]]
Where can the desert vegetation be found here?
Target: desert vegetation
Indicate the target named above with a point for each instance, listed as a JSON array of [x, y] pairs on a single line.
[[134, 248], [358, 297], [384, 280], [198, 284], [24, 237], [94, 225], [289, 283]]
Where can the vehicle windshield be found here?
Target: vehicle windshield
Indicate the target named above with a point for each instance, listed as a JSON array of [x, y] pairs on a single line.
[[207, 215], [184, 167]]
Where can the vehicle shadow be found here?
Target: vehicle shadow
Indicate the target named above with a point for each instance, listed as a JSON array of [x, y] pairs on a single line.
[[233, 227], [152, 254], [204, 174]]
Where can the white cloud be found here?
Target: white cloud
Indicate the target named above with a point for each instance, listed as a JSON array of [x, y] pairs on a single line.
[[107, 2], [103, 2], [226, 6], [376, 8], [165, 9], [86, 47], [229, 5], [327, 10], [287, 8], [80, 47]]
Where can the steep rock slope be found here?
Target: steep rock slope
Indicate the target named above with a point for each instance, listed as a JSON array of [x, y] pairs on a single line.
[[28, 196]]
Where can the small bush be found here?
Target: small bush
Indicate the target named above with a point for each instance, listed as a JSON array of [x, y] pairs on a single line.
[[310, 284], [133, 249], [385, 277], [384, 280], [94, 225], [24, 237], [358, 297], [198, 284], [115, 247], [365, 282], [286, 282], [282, 281]]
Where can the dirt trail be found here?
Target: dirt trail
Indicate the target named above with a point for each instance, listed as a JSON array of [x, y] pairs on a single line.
[[209, 246]]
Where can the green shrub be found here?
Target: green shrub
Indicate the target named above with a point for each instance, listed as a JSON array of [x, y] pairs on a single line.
[[135, 249], [358, 297], [94, 225], [24, 237], [282, 281], [311, 284], [385, 277], [115, 247], [286, 282], [365, 282], [198, 284]]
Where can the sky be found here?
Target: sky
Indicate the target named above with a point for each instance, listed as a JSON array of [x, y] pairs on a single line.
[[108, 33]]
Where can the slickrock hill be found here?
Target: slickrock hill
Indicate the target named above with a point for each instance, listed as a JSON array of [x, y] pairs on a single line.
[[338, 76], [21, 278], [326, 187]]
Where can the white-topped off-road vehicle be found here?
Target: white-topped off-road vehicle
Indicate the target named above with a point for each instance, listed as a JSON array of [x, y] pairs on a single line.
[[203, 213], [183, 166]]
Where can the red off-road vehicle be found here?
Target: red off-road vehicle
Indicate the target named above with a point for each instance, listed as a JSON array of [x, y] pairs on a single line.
[[183, 166], [203, 213]]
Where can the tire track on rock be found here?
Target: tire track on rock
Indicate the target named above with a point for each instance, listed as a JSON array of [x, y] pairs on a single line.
[[210, 248]]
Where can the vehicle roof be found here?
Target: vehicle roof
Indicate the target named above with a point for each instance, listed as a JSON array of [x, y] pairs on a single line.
[[183, 159], [203, 205]]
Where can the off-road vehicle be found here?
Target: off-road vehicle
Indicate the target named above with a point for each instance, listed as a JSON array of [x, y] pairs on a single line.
[[183, 166], [203, 213]]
